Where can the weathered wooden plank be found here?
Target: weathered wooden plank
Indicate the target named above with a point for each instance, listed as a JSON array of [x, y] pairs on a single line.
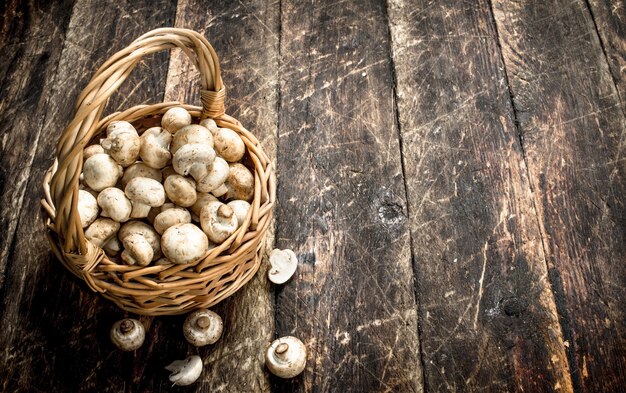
[[249, 70], [573, 130], [31, 39], [54, 330], [610, 21], [488, 320], [342, 205]]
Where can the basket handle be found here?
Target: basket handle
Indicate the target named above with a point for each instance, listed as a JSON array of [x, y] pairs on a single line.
[[88, 112]]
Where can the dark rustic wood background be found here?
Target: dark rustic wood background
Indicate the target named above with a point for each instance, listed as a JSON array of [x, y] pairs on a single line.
[[452, 176]]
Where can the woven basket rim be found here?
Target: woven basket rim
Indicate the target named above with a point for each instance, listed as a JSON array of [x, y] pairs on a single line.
[[160, 289]]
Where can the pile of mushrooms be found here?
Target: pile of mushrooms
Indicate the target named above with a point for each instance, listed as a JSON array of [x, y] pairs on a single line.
[[166, 196]]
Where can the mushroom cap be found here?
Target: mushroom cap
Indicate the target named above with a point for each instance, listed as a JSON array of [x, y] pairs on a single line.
[[229, 144], [193, 159], [144, 193], [215, 177], [286, 357], [141, 243], [119, 127], [241, 209], [140, 169], [192, 133], [171, 217], [122, 143], [284, 264], [218, 221], [114, 204], [196, 208], [209, 124], [185, 372], [101, 230], [101, 171], [92, 150], [184, 243], [180, 190], [175, 119], [203, 327], [87, 208], [127, 334], [240, 183], [154, 150]]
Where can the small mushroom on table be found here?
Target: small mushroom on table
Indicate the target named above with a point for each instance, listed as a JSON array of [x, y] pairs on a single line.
[[185, 372], [283, 265], [286, 357], [203, 327], [128, 334]]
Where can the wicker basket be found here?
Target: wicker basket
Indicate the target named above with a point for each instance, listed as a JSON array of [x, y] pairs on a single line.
[[161, 289]]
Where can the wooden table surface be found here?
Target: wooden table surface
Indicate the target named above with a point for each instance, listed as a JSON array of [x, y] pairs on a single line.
[[452, 177]]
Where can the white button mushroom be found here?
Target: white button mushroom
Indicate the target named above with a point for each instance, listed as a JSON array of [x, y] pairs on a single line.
[[114, 204], [91, 151], [180, 190], [175, 119], [284, 264], [141, 243], [193, 159], [240, 183], [218, 221], [184, 243], [185, 372], [203, 327], [220, 191], [154, 151], [171, 217], [215, 177], [167, 172], [196, 208], [209, 124], [122, 142], [87, 208], [240, 208], [101, 231], [286, 357], [192, 133], [144, 193], [101, 171], [139, 169], [128, 334], [229, 145]]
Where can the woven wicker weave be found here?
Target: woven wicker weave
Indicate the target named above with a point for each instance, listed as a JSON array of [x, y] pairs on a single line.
[[161, 289]]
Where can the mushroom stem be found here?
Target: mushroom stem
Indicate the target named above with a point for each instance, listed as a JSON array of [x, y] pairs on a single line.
[[140, 210], [225, 211], [203, 322], [126, 326], [281, 349]]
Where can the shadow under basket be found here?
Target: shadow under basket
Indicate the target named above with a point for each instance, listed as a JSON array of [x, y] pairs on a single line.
[[156, 289]]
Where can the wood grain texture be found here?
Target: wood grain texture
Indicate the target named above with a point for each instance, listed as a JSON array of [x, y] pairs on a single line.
[[245, 36], [573, 129], [488, 320], [54, 329], [342, 205], [31, 40], [610, 22]]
